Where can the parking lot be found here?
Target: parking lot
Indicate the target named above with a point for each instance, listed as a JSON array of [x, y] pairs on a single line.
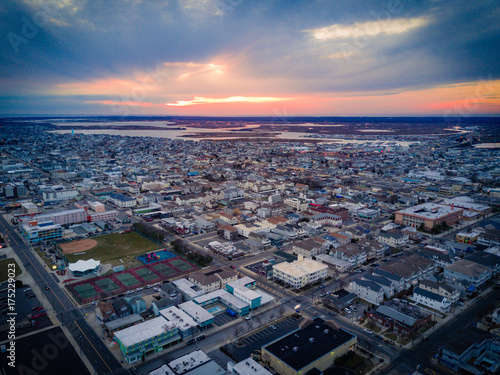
[[264, 336], [359, 308], [23, 306], [223, 318]]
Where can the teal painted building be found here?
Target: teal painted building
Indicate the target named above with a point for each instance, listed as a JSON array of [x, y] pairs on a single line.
[[151, 336]]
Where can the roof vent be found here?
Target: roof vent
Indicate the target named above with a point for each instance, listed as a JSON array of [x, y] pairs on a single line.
[[326, 331], [295, 348], [311, 339], [317, 327]]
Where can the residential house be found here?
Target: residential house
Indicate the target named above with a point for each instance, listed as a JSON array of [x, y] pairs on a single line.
[[432, 300], [445, 290], [469, 273], [367, 290], [393, 238]]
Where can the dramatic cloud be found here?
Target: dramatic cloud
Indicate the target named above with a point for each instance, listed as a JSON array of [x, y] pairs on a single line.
[[368, 29], [246, 57], [232, 99]]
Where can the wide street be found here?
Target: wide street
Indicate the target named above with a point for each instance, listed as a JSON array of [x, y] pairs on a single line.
[[91, 345]]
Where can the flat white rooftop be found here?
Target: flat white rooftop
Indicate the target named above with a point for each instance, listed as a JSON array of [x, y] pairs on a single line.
[[430, 211], [189, 361], [143, 331], [198, 313], [163, 370], [223, 295], [178, 318], [249, 367], [300, 268], [189, 288]]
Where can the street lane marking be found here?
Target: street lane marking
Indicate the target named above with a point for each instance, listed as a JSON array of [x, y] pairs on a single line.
[[109, 368]]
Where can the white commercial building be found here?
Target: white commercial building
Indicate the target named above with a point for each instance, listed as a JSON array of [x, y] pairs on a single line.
[[300, 272], [58, 195], [257, 227], [68, 217]]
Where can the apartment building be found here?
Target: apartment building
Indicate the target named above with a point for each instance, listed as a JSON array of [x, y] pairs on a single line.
[[300, 272]]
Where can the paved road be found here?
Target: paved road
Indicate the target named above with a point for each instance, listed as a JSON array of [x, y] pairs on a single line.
[[422, 353], [95, 350]]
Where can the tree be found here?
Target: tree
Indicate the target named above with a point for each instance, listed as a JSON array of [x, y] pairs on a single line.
[[237, 330]]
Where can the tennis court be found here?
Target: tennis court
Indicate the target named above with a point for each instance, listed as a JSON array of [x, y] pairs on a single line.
[[85, 291], [107, 285], [164, 269], [119, 282], [127, 279], [180, 264], [146, 274]]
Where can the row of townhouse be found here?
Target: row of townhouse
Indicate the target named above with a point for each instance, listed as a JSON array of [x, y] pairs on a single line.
[[393, 238], [310, 247]]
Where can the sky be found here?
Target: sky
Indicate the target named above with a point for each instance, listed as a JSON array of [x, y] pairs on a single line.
[[250, 57]]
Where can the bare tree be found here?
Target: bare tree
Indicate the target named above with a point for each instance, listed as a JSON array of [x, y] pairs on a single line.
[[281, 310], [258, 318], [273, 315], [237, 330]]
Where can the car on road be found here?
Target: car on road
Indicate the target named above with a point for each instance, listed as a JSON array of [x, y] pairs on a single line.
[[233, 267], [369, 331], [321, 286], [47, 287], [190, 342], [200, 337]]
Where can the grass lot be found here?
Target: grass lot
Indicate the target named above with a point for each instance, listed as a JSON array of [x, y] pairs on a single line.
[[47, 260], [376, 329], [113, 247], [403, 340], [391, 336], [4, 268], [355, 362]]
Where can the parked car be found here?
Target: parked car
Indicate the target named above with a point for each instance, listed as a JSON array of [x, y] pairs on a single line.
[[248, 317], [27, 290], [200, 337], [190, 342], [369, 331], [47, 287], [273, 327]]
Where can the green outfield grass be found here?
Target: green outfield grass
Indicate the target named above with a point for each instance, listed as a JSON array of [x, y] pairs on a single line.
[[112, 247]]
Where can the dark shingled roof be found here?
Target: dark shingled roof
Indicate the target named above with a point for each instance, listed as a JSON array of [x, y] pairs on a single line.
[[325, 338]]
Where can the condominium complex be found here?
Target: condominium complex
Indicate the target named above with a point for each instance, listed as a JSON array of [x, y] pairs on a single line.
[[300, 273]]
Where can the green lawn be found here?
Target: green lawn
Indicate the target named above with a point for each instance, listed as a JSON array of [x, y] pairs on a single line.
[[112, 247], [4, 268]]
